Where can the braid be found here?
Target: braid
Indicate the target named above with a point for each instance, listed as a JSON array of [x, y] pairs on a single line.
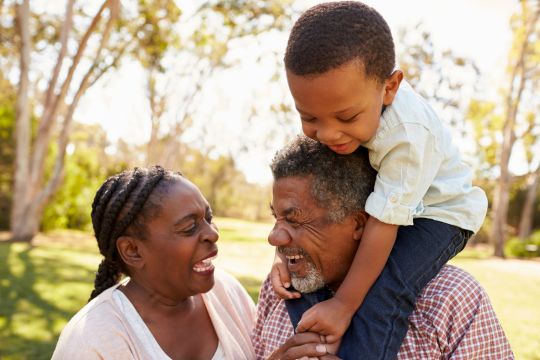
[[116, 207], [118, 203], [107, 275], [100, 204], [141, 199]]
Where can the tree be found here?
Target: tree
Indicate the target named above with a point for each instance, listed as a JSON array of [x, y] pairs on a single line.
[[523, 80], [531, 144], [444, 78], [31, 190], [7, 126], [191, 58]]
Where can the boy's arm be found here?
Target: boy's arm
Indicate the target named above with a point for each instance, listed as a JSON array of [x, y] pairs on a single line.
[[373, 252], [375, 246]]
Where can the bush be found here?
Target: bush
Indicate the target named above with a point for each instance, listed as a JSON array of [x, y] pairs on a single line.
[[527, 248]]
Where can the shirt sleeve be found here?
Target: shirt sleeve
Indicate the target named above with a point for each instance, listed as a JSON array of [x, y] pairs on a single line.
[[264, 306], [454, 320], [409, 159]]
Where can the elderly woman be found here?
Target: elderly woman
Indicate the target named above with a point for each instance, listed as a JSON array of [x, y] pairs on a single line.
[[155, 227]]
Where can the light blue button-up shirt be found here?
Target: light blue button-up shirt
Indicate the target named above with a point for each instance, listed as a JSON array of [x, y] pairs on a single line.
[[420, 171]]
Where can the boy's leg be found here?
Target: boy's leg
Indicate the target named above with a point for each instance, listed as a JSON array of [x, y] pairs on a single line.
[[380, 324]]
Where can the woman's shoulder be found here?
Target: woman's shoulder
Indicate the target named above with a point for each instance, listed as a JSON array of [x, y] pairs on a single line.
[[91, 329]]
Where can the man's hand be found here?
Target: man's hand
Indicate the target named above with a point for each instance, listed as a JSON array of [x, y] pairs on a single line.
[[306, 345], [330, 318], [279, 276]]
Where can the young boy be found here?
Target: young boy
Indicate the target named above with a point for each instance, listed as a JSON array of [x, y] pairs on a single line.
[[340, 70]]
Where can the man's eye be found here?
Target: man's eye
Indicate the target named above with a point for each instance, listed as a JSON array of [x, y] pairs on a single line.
[[291, 221]]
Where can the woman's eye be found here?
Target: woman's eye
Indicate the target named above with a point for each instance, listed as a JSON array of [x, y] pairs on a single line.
[[190, 230]]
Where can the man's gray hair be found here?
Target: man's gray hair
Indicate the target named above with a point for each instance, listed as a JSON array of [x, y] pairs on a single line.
[[340, 183]]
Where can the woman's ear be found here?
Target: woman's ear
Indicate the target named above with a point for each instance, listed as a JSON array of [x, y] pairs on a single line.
[[391, 86], [130, 251], [361, 219]]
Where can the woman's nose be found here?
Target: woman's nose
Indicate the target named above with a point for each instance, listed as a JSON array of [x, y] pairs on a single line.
[[211, 234], [278, 236]]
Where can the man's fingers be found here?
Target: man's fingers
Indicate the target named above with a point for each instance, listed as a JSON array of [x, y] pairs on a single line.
[[306, 350], [299, 345]]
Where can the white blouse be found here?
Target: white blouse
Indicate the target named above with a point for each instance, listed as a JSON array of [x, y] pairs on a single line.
[[143, 333]]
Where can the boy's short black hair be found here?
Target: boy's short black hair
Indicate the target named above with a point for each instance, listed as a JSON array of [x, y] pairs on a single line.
[[329, 35]]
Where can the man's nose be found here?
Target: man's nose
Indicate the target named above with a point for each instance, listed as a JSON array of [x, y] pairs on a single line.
[[278, 236]]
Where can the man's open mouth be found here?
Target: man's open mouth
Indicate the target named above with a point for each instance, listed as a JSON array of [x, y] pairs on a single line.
[[294, 258]]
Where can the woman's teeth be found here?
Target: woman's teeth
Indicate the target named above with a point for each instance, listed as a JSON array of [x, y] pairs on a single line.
[[204, 265]]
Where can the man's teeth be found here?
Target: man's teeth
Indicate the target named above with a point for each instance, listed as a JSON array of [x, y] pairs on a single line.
[[204, 265], [294, 257]]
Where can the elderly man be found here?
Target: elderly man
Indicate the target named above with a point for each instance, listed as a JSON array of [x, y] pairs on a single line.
[[318, 199]]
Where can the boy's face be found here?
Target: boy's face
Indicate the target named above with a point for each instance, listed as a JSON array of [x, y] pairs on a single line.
[[341, 108]]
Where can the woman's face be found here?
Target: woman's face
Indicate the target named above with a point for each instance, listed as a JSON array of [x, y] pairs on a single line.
[[180, 244]]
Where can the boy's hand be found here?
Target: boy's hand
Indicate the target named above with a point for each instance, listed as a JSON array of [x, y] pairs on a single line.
[[279, 276], [330, 318]]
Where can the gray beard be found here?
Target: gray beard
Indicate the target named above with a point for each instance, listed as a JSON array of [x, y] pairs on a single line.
[[313, 280]]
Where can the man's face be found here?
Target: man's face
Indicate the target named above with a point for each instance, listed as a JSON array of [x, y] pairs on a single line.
[[317, 250], [340, 108]]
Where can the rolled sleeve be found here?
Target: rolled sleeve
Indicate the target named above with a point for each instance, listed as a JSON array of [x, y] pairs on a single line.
[[408, 160]]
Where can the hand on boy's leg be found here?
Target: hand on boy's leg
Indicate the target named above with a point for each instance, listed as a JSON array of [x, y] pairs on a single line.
[[280, 279], [330, 318]]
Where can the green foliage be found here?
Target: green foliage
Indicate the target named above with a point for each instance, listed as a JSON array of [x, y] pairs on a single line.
[[524, 248], [7, 149], [86, 168]]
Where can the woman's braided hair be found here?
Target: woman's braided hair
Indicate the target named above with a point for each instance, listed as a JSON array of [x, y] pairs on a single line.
[[122, 204]]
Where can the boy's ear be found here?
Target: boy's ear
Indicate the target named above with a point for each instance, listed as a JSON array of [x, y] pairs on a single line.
[[391, 86], [361, 219], [130, 251]]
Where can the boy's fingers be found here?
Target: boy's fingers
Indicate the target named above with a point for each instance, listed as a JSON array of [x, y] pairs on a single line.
[[305, 325], [331, 338]]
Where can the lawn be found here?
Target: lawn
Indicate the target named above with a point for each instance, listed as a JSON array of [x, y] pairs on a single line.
[[42, 286]]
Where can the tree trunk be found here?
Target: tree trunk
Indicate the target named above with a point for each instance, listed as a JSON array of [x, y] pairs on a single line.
[[525, 223], [513, 99], [22, 128], [30, 193]]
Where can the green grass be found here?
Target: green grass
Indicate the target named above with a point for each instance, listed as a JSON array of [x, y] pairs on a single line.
[[42, 286]]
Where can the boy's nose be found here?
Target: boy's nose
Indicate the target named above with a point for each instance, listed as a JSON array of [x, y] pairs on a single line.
[[278, 236], [328, 135]]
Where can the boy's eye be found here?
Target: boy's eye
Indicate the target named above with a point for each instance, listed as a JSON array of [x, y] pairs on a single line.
[[348, 119], [308, 119]]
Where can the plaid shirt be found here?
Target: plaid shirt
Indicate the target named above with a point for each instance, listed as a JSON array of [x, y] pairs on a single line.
[[453, 319]]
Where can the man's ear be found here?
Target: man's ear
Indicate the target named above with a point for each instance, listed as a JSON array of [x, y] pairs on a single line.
[[361, 219], [391, 86], [130, 251]]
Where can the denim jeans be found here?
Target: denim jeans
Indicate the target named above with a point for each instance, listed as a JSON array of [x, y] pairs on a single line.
[[380, 324]]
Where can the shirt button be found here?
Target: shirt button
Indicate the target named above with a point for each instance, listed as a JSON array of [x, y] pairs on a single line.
[[393, 198]]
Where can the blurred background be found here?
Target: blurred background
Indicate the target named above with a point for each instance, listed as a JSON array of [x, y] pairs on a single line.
[[89, 88]]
